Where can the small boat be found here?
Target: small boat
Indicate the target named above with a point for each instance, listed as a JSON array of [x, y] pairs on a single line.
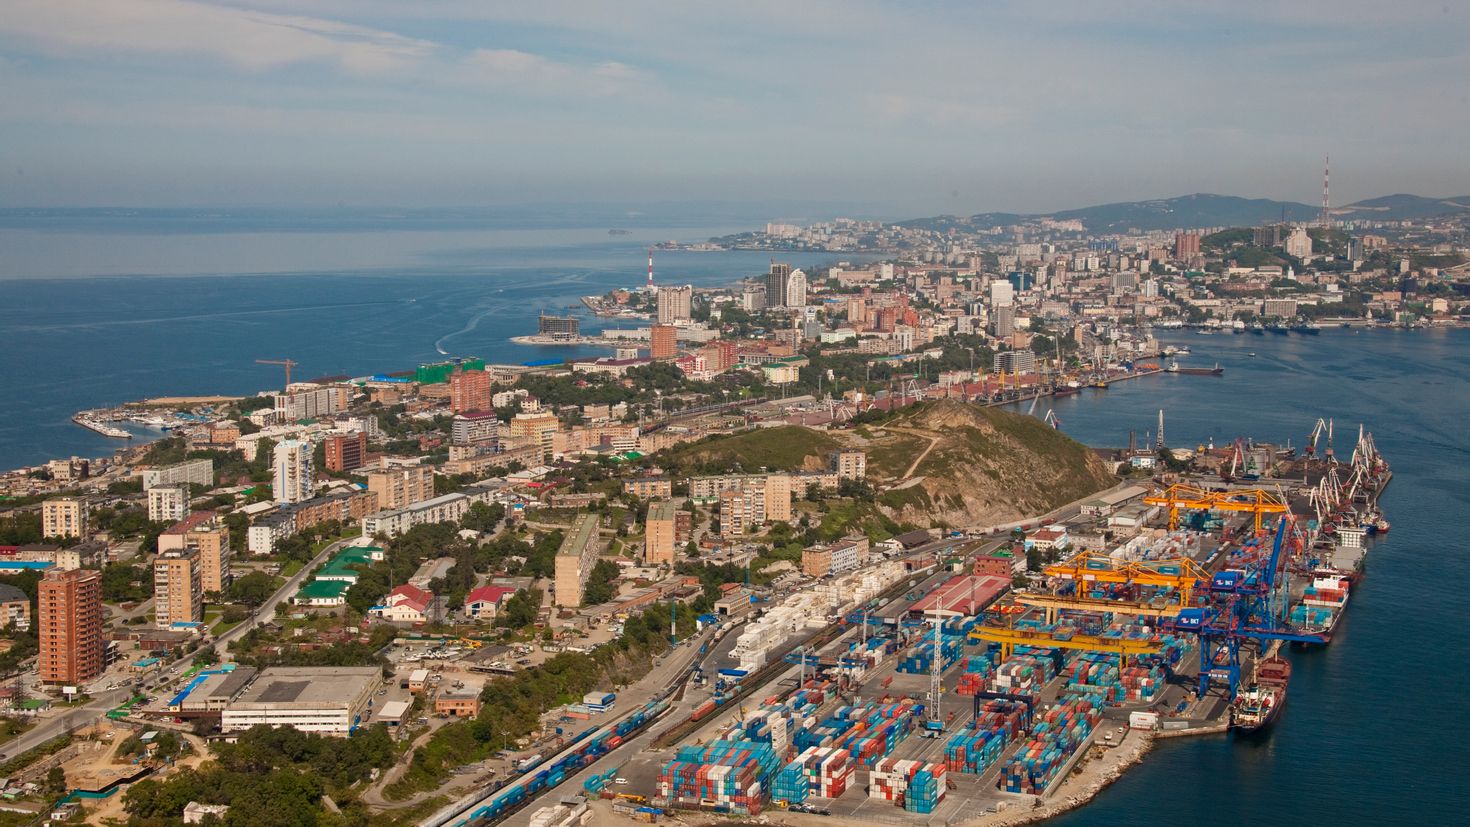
[[1252, 354]]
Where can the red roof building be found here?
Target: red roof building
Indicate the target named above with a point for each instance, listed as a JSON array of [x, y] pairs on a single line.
[[485, 602], [965, 594]]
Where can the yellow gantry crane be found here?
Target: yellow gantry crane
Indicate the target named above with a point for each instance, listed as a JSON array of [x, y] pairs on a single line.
[[1009, 638], [1254, 500], [1053, 603]]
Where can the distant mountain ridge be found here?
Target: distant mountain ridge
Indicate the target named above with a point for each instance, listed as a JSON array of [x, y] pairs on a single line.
[[1210, 210]]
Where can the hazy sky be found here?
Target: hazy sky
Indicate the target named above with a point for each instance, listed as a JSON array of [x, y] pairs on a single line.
[[925, 106]]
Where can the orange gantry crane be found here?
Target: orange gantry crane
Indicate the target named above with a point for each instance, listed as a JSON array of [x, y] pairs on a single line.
[[1178, 573], [1257, 501]]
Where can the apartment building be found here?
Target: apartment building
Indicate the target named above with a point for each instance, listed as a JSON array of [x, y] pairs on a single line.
[[575, 559], [192, 472], [69, 626], [178, 592], [346, 452], [292, 482], [64, 517], [168, 503], [660, 535], [402, 486]]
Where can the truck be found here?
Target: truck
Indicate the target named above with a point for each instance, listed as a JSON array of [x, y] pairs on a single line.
[[932, 729], [599, 700]]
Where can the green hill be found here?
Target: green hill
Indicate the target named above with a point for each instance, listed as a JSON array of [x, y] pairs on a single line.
[[786, 448], [985, 466]]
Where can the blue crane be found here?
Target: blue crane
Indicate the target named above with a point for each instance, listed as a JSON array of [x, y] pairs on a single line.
[[1241, 605]]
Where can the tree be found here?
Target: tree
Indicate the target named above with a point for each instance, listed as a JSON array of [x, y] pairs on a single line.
[[601, 583], [520, 609], [252, 589], [483, 517], [56, 781]]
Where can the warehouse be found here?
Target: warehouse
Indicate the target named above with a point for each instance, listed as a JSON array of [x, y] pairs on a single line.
[[328, 700], [967, 594]]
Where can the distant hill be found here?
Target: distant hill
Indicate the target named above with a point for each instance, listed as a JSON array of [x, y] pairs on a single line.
[[1198, 210], [785, 448], [1206, 210], [1403, 206]]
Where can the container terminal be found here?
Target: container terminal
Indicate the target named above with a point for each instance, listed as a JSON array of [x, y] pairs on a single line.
[[925, 688]]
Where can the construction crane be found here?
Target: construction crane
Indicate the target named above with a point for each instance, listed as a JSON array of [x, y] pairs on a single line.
[[1179, 573], [1254, 500], [287, 363]]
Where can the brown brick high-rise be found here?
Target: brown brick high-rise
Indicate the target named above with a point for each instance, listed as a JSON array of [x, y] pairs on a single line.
[[69, 626]]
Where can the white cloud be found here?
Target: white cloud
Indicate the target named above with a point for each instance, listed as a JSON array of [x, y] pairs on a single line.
[[249, 39], [522, 71]]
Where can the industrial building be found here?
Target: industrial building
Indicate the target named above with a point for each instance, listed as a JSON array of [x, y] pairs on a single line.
[[323, 699]]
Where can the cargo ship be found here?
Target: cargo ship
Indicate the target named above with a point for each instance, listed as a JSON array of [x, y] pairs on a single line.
[[1257, 705], [1173, 367]]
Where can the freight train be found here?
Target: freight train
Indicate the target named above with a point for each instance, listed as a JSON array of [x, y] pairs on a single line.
[[549, 773]]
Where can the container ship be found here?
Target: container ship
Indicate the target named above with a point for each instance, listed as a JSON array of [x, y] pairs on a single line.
[[1173, 367], [1257, 705]]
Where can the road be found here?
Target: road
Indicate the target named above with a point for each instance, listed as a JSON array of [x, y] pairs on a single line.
[[267, 610], [107, 700]]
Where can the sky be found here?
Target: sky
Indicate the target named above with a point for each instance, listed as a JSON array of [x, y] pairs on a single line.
[[921, 106]]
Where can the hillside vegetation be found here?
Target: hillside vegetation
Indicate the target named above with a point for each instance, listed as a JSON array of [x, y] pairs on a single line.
[[986, 465], [787, 448]]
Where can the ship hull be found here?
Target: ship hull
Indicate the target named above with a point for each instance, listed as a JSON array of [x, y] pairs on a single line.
[[1257, 727]]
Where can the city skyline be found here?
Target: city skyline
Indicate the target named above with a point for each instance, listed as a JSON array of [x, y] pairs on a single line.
[[942, 108]]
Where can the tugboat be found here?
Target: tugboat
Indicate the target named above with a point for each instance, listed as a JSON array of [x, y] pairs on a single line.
[[1257, 705]]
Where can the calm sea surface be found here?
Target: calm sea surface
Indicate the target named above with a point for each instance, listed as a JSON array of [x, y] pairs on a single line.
[[1377, 731]]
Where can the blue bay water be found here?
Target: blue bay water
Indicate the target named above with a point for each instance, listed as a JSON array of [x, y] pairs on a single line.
[[81, 329], [1374, 732]]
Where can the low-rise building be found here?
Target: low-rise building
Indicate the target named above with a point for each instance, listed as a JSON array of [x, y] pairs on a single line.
[[323, 699], [458, 704], [484, 602], [405, 604]]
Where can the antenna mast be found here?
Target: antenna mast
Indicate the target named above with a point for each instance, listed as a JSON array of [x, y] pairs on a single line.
[[1326, 218]]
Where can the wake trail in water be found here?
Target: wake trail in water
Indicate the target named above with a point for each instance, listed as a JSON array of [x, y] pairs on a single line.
[[470, 325]]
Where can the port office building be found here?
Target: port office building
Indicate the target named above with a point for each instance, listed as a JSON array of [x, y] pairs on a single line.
[[323, 699], [575, 559]]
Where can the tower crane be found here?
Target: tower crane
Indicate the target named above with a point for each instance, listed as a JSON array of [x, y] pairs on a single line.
[[286, 363]]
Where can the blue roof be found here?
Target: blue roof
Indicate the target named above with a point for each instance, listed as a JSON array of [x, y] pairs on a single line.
[[541, 363], [26, 564]]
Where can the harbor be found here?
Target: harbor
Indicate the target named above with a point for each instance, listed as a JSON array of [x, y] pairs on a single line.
[[932, 687]]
